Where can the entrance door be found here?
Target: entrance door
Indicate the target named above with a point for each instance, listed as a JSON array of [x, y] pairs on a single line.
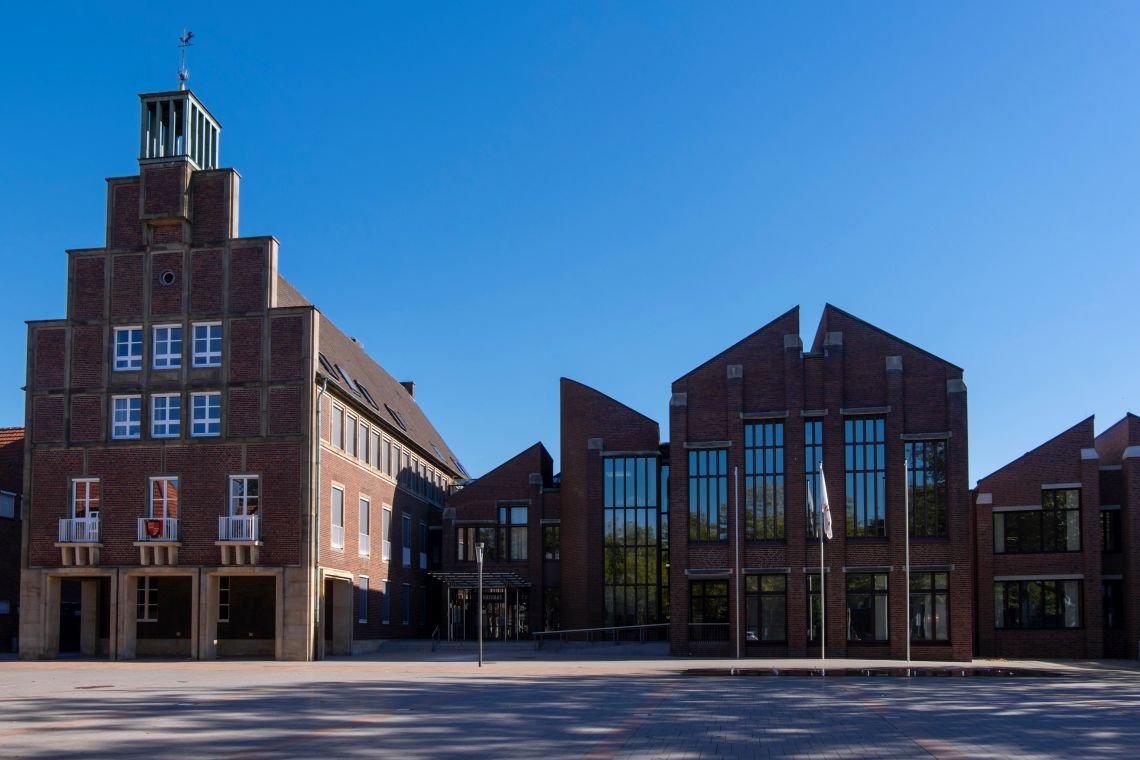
[[70, 616]]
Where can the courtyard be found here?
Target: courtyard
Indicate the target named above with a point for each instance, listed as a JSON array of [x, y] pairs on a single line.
[[442, 704]]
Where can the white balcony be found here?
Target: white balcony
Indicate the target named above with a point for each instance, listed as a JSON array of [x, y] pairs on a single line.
[[239, 528], [79, 530], [158, 529], [386, 549], [364, 540], [423, 560]]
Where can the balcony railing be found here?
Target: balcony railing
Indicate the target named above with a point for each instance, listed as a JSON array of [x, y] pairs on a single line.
[[423, 560], [79, 530], [239, 528], [158, 529], [386, 549], [365, 542], [708, 631]]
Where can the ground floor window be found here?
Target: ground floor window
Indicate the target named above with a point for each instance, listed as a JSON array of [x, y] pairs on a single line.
[[386, 602], [362, 600], [867, 607], [1037, 604], [147, 600], [708, 611], [929, 606], [224, 599], [551, 601], [766, 607], [814, 609], [1112, 592]]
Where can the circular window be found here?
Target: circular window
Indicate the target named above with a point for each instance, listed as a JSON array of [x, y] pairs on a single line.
[[167, 277]]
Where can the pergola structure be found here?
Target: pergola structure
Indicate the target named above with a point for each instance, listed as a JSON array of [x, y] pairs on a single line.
[[493, 580]]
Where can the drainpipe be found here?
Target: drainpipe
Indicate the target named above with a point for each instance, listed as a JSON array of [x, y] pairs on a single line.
[[316, 543]]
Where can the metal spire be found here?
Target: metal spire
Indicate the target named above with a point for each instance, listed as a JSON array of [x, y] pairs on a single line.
[[183, 72]]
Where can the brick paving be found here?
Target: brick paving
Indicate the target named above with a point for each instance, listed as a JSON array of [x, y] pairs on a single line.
[[552, 709]]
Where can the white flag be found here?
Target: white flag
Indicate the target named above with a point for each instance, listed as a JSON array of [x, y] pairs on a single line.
[[825, 507]]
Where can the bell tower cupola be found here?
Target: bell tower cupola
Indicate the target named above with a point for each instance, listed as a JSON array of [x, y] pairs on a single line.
[[176, 126]]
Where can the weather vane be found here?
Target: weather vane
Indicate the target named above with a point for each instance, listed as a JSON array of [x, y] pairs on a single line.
[[183, 72]]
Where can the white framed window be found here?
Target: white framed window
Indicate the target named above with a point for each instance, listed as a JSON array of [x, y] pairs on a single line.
[[86, 497], [374, 449], [362, 601], [146, 608], [350, 435], [336, 426], [126, 416], [128, 348], [406, 539], [362, 441], [245, 495], [207, 344], [8, 505], [164, 497], [386, 533], [224, 599], [365, 527], [165, 415], [166, 351], [206, 414], [336, 524]]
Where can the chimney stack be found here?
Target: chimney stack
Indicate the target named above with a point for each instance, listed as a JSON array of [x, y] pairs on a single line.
[[409, 386]]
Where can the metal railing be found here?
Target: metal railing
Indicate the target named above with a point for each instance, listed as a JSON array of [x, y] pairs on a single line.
[[614, 633], [239, 528], [708, 631], [79, 530], [158, 529]]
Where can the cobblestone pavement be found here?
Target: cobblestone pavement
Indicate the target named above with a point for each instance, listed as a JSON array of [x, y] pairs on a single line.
[[633, 709]]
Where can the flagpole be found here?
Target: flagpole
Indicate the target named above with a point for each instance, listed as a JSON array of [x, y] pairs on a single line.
[[739, 579], [906, 589], [822, 598]]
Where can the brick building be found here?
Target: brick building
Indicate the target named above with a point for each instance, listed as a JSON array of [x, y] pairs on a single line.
[[748, 428], [1058, 547], [11, 489], [185, 418]]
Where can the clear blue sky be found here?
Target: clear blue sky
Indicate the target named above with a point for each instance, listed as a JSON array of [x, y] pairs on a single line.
[[491, 196]]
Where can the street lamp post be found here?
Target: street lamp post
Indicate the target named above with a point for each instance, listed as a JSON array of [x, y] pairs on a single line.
[[479, 562]]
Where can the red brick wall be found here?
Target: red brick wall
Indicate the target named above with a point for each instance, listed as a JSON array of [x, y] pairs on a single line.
[[210, 206], [852, 372], [87, 356], [88, 287], [87, 420], [163, 189], [49, 358], [286, 336], [244, 412], [1019, 484], [207, 293], [245, 351], [587, 414], [166, 300], [127, 285], [248, 281], [11, 480], [124, 227]]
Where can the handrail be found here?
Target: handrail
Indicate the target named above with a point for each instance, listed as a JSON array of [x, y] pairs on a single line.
[[435, 639], [540, 636]]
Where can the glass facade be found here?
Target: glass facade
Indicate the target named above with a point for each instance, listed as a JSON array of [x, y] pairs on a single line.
[[866, 471], [926, 484], [708, 495], [766, 608], [636, 536], [1056, 527], [929, 607], [1037, 604], [867, 607], [764, 480], [813, 456]]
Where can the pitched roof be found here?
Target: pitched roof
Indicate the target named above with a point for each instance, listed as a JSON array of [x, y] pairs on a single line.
[[792, 312], [388, 394], [828, 309], [371, 383], [11, 435]]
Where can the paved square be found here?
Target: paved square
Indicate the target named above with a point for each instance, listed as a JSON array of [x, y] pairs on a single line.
[[626, 709]]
